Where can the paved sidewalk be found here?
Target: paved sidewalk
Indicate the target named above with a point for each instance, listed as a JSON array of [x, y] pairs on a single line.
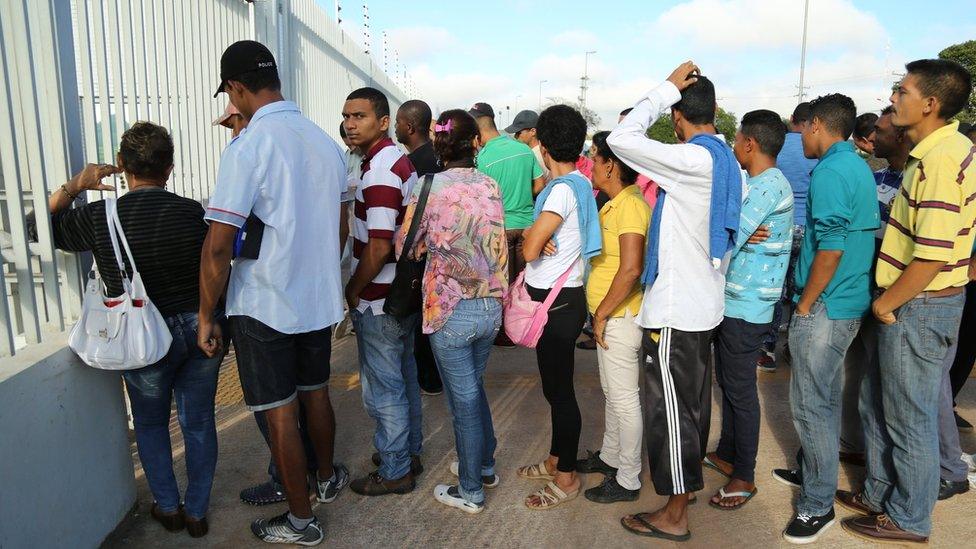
[[521, 421]]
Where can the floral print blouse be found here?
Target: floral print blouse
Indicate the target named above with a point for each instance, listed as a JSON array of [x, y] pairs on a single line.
[[463, 227]]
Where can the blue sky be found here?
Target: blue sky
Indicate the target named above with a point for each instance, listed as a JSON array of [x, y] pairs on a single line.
[[457, 53]]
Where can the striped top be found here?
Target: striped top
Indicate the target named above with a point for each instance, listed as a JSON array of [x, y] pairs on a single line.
[[388, 180], [165, 232], [934, 213]]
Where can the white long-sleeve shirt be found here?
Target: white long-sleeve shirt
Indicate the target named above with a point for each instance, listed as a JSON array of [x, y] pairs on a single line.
[[688, 294]]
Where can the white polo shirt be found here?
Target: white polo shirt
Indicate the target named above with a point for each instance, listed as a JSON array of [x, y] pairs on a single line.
[[689, 293], [290, 174]]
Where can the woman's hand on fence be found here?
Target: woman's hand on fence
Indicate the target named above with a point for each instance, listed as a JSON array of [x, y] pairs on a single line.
[[90, 178]]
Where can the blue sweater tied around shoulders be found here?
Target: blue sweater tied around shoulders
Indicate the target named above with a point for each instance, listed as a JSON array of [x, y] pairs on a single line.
[[589, 217], [726, 204]]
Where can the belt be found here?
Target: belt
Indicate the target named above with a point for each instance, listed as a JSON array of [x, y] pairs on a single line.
[[948, 292]]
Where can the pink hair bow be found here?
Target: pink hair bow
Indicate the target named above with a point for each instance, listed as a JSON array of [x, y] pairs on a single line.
[[438, 128]]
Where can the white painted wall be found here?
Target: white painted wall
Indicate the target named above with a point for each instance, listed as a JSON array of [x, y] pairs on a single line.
[[66, 477]]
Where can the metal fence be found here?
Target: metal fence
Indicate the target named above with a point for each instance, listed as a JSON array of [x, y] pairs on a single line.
[[77, 73]]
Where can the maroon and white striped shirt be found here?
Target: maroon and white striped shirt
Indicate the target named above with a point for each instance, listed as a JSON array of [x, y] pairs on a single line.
[[381, 199]]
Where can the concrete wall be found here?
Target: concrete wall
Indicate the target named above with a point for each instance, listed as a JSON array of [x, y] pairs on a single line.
[[66, 477]]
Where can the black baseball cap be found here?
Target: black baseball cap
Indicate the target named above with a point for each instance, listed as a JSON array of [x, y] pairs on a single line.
[[480, 110], [241, 57], [523, 120]]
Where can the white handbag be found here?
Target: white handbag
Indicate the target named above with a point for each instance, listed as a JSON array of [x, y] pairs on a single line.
[[124, 332]]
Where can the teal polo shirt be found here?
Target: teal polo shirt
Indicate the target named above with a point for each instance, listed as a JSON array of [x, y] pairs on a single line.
[[513, 166], [842, 214]]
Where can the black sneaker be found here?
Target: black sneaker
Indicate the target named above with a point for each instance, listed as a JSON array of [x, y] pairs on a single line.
[[962, 425], [327, 491], [265, 493], [593, 464], [789, 477], [279, 530], [611, 492], [807, 529], [949, 488]]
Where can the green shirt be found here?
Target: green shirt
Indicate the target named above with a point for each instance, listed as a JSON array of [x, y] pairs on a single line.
[[842, 214], [513, 166]]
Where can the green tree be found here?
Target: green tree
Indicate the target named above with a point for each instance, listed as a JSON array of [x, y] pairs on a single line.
[[725, 122], [662, 130], [965, 55], [589, 115]]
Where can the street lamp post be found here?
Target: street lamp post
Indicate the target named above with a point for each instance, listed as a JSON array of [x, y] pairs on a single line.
[[585, 80], [516, 102], [541, 82], [803, 49]]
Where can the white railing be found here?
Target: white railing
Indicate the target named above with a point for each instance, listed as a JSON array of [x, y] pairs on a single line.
[[77, 73]]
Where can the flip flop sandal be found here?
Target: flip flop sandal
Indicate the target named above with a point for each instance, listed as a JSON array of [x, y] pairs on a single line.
[[535, 472], [652, 531], [707, 462], [723, 494], [551, 496]]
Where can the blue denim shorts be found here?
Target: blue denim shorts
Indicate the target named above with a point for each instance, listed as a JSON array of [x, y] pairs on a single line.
[[274, 366]]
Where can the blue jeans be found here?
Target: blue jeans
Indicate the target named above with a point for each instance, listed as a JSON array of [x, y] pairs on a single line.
[[461, 348], [818, 346], [900, 408], [192, 377], [391, 394]]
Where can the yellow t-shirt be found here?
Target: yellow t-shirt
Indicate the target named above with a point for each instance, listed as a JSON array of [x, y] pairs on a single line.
[[933, 215], [625, 213]]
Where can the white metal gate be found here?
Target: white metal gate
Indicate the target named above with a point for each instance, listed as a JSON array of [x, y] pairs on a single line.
[[77, 73]]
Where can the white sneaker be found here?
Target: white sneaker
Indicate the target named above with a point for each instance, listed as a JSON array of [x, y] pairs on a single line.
[[450, 496], [486, 481]]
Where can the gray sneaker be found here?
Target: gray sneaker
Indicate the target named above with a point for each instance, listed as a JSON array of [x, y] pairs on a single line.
[[279, 530], [328, 490]]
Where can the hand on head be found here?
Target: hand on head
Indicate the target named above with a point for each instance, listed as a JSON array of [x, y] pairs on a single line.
[[685, 75]]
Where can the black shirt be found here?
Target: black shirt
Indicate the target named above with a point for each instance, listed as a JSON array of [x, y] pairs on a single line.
[[165, 233], [424, 160]]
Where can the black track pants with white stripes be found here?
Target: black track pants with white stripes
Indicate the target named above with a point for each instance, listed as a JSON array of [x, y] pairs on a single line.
[[678, 406]]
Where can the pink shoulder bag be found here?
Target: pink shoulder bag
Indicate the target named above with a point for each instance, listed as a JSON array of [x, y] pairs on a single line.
[[524, 318]]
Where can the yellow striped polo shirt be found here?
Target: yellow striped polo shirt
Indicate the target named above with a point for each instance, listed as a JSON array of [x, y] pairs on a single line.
[[933, 215]]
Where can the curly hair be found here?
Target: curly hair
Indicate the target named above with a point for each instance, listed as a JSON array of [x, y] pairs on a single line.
[[562, 131], [146, 151], [458, 144]]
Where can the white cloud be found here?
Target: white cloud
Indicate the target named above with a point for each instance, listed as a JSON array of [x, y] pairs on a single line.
[[864, 77], [575, 38], [459, 90], [419, 43], [737, 25], [563, 69]]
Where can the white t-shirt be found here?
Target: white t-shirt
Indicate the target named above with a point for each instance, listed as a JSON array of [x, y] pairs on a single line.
[[546, 270]]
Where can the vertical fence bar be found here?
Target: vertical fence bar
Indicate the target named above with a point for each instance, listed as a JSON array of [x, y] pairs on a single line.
[[13, 30], [46, 125]]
